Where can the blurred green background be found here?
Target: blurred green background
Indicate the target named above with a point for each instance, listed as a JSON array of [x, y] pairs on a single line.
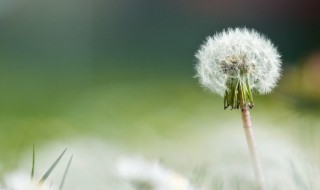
[[123, 71]]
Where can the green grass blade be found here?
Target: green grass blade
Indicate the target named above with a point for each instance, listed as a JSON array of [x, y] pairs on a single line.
[[47, 174], [33, 162], [65, 173]]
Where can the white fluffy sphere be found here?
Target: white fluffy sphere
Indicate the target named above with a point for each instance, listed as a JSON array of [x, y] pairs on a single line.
[[233, 52]]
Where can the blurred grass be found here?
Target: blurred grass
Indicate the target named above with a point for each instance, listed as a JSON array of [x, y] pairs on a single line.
[[129, 107]]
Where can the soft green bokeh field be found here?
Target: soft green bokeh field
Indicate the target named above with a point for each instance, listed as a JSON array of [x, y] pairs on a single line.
[[122, 73], [145, 113]]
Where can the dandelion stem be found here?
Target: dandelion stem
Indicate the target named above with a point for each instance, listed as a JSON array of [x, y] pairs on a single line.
[[248, 130]]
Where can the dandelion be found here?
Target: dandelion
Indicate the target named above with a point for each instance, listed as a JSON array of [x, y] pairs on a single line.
[[148, 175], [21, 181], [232, 64]]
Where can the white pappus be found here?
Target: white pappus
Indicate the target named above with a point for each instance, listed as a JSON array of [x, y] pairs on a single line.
[[234, 62]]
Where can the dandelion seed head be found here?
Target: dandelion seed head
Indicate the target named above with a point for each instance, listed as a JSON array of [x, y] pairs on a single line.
[[235, 53], [152, 175], [21, 181]]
